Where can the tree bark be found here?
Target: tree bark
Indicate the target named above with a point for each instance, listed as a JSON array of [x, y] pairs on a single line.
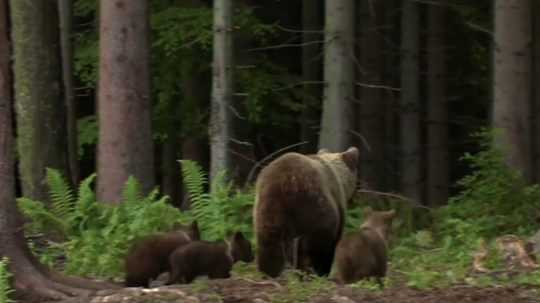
[[65, 9], [371, 111], [336, 122], [536, 90], [125, 144], [410, 102], [30, 279], [512, 83], [312, 23], [437, 127], [41, 120], [222, 87]]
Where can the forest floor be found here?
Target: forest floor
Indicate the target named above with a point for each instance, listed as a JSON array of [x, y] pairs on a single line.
[[247, 290]]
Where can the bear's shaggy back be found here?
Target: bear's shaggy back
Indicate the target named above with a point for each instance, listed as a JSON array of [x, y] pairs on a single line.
[[302, 199]]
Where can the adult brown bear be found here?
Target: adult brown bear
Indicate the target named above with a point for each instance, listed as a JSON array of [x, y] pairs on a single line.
[[300, 208]]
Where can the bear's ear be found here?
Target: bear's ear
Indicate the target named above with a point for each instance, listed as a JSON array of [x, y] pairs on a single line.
[[367, 211], [322, 151], [238, 236], [389, 215], [350, 157]]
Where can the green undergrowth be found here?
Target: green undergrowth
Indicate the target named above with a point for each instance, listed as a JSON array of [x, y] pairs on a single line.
[[5, 285], [494, 201], [86, 237]]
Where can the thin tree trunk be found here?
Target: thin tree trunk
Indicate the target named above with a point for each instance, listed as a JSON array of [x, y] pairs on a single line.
[[536, 90], [41, 112], [512, 83], [336, 122], [437, 128], [222, 81], [65, 9], [312, 23], [410, 102], [125, 146], [371, 114], [170, 168], [392, 57]]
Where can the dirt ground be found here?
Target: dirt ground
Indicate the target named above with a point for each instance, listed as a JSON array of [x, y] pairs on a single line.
[[241, 290]]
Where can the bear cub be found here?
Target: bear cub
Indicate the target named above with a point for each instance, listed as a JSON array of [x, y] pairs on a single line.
[[149, 257], [213, 259], [363, 253]]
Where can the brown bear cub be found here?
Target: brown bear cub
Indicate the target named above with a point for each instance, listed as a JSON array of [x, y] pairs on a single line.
[[363, 254], [149, 257], [212, 259], [299, 209]]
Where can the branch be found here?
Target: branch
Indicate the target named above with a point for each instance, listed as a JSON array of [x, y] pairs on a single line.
[[290, 30], [391, 195], [385, 87], [258, 164], [366, 143], [296, 84], [286, 45]]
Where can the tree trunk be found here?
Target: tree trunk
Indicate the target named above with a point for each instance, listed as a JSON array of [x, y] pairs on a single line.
[[312, 36], [336, 122], [410, 102], [125, 146], [170, 167], [222, 81], [30, 279], [512, 83], [437, 112], [41, 120], [536, 90], [65, 9], [371, 111], [392, 75]]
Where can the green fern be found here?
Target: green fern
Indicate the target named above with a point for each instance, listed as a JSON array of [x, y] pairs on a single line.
[[195, 180], [60, 194], [223, 211], [5, 288], [42, 219], [131, 192]]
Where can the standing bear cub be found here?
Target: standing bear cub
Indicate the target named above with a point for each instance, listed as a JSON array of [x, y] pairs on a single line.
[[213, 259], [149, 257], [363, 254], [300, 206]]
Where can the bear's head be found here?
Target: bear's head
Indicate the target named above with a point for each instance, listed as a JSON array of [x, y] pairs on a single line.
[[345, 166], [240, 248], [380, 221], [191, 231]]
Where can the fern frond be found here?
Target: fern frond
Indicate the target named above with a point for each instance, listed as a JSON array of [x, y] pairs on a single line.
[[62, 199], [131, 193], [194, 178], [5, 277], [42, 219]]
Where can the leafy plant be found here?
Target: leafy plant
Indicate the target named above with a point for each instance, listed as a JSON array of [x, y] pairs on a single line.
[[224, 211], [94, 236], [5, 287], [494, 200], [302, 287]]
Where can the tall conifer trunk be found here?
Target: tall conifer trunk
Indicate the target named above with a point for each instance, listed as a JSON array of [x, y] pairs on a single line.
[[125, 146], [40, 108]]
